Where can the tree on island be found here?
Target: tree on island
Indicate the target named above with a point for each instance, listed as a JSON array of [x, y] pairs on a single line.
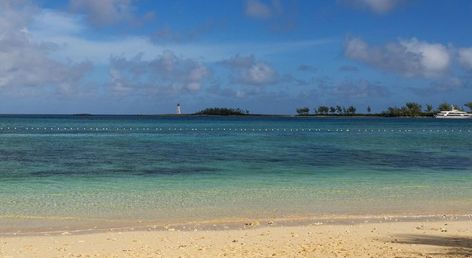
[[429, 108], [323, 110], [444, 106], [303, 111], [351, 110], [410, 109], [223, 112], [338, 110], [413, 109]]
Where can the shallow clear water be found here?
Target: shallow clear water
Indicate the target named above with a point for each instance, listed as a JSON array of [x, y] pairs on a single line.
[[199, 168]]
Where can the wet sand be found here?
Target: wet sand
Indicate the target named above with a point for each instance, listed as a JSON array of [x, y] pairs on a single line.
[[439, 238]]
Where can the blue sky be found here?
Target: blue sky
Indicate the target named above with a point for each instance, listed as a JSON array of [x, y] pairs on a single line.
[[268, 56]]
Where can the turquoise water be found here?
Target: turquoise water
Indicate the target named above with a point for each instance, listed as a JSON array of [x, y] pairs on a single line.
[[122, 168]]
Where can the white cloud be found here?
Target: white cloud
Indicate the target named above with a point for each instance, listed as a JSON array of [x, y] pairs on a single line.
[[258, 9], [465, 57], [376, 6], [281, 16], [248, 70], [408, 57], [106, 12], [165, 74], [78, 47], [70, 34], [27, 63], [50, 23], [259, 74], [432, 57]]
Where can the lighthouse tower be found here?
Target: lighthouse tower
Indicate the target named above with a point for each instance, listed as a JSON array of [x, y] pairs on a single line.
[[179, 112]]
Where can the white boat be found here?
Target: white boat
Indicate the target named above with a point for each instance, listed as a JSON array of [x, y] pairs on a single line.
[[453, 114]]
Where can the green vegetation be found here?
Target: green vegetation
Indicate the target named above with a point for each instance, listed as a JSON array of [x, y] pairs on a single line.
[[444, 107], [429, 108], [303, 111], [325, 110], [223, 112], [410, 109]]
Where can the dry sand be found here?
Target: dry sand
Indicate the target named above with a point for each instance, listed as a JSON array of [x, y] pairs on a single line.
[[387, 239]]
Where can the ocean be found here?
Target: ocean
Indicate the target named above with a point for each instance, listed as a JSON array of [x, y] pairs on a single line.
[[57, 171]]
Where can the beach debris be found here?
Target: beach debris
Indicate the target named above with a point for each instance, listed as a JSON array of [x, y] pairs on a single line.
[[443, 230], [235, 241], [251, 224], [65, 233], [270, 222], [421, 227]]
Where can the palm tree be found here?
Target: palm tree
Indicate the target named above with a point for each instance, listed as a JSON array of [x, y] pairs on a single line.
[[303, 111], [429, 108], [351, 110], [444, 106], [414, 109], [323, 109]]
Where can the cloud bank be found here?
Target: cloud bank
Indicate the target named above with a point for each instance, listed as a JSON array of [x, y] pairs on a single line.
[[408, 57], [107, 12], [262, 10], [465, 57], [26, 63], [247, 70], [166, 74], [375, 6]]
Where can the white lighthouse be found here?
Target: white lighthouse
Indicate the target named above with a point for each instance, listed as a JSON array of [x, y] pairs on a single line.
[[179, 112]]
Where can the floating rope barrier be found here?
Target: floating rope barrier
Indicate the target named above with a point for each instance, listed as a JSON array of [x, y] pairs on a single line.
[[78, 130]]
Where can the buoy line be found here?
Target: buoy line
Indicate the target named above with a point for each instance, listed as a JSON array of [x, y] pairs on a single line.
[[17, 129]]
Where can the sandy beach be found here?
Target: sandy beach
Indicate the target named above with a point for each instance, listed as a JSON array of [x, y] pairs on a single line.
[[440, 238]]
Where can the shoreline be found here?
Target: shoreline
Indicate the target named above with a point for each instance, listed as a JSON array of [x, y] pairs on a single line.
[[422, 238], [221, 224]]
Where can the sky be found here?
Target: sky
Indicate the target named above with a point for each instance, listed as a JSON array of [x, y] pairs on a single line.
[[267, 56]]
